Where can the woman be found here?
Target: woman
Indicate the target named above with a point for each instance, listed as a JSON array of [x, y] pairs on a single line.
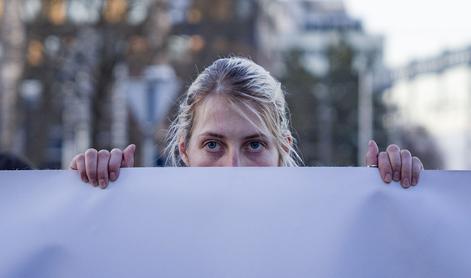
[[235, 114]]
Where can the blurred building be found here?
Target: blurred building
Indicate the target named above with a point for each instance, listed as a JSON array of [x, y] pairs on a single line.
[[62, 87], [215, 29], [435, 94], [314, 27], [12, 40]]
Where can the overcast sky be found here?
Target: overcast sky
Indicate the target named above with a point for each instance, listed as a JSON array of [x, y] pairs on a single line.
[[415, 28]]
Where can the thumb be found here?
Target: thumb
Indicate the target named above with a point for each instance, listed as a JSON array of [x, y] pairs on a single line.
[[372, 154], [128, 156]]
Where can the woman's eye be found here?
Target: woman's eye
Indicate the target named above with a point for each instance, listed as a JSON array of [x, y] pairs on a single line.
[[255, 146], [212, 146]]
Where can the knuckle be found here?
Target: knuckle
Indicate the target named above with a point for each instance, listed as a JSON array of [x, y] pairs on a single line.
[[81, 165], [406, 153], [393, 148], [103, 153], [114, 165], [90, 153], [416, 160], [116, 150], [80, 157], [382, 154]]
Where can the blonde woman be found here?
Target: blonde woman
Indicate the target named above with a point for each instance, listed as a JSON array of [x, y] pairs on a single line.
[[235, 114]]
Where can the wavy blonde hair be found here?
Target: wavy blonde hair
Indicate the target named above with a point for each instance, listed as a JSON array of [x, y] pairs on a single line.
[[245, 84]]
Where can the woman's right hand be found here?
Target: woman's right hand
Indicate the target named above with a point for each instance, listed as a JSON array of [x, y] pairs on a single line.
[[100, 167]]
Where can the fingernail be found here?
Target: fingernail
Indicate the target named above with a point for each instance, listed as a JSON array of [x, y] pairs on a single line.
[[102, 183], [94, 182], [387, 178], [84, 179], [370, 143], [414, 181], [113, 176], [397, 176], [405, 182]]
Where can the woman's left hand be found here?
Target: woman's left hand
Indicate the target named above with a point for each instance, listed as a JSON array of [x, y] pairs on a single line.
[[394, 164]]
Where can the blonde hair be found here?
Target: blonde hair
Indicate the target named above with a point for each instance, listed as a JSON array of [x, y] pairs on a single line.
[[245, 83]]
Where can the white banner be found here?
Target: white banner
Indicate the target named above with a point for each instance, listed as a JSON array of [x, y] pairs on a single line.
[[235, 222]]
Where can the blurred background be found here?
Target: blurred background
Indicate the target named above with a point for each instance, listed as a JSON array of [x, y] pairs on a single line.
[[76, 74]]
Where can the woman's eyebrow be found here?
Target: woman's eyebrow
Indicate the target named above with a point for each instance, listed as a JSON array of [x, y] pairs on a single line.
[[256, 136], [212, 134], [220, 136]]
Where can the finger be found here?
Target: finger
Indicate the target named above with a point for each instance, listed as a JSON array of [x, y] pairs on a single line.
[[384, 166], [115, 163], [128, 156], [80, 163], [91, 156], [372, 154], [73, 163], [417, 167], [102, 168], [395, 160], [406, 169]]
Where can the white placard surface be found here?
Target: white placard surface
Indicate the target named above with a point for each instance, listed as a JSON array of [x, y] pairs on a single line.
[[235, 223]]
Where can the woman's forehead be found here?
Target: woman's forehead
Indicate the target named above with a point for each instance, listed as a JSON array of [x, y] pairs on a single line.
[[218, 115]]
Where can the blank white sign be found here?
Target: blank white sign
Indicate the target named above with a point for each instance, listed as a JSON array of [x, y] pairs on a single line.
[[235, 222]]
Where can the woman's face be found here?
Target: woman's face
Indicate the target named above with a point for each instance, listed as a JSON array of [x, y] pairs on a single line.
[[221, 136]]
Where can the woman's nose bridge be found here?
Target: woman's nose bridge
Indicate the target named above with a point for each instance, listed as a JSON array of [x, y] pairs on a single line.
[[233, 157]]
